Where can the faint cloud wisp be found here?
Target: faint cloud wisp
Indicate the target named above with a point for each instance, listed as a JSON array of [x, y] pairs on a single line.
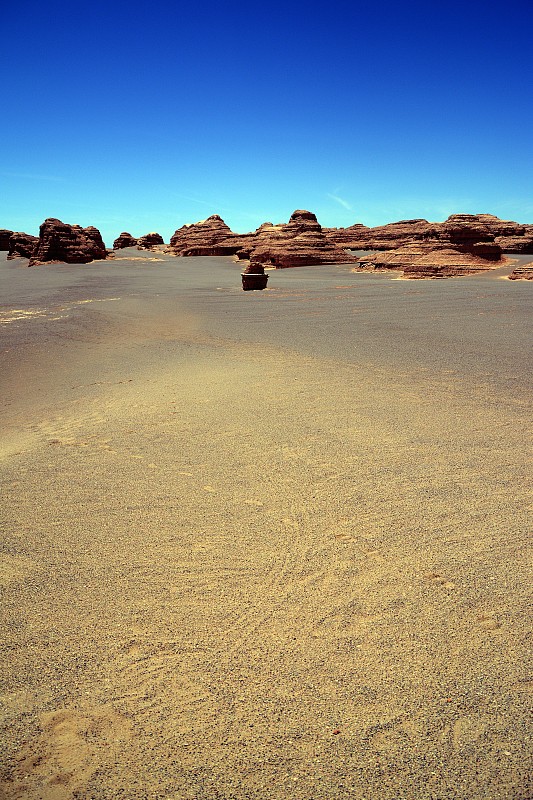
[[340, 201]]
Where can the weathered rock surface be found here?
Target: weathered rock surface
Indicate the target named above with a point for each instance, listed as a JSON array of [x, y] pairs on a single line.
[[203, 238], [72, 244], [22, 245], [525, 273], [423, 260], [124, 240], [5, 236], [480, 234], [149, 240], [382, 237], [301, 242]]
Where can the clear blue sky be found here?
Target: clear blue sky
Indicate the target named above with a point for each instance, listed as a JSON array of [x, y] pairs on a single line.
[[142, 117]]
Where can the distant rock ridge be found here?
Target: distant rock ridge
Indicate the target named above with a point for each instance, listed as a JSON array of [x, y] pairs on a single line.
[[300, 242], [72, 244], [480, 234]]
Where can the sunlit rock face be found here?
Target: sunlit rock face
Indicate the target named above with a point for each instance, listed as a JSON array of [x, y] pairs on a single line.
[[149, 241], [72, 244], [125, 239], [301, 242]]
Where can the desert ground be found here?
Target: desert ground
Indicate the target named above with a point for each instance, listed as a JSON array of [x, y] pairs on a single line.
[[263, 544]]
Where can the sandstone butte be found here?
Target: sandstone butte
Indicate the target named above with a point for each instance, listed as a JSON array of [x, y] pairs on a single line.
[[72, 244]]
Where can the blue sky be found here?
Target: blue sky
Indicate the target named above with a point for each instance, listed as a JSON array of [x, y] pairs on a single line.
[[143, 117]]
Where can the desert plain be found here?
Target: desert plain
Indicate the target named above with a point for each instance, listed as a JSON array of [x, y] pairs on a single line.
[[264, 544]]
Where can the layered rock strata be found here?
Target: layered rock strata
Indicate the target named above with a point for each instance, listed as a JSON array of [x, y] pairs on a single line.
[[22, 245], [124, 240], [424, 261], [301, 242], [525, 273], [149, 241], [479, 234], [204, 238], [59, 241]]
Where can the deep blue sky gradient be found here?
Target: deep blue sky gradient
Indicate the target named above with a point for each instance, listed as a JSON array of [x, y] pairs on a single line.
[[144, 117]]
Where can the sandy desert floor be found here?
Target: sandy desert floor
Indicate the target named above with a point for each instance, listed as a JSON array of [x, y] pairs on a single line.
[[264, 544]]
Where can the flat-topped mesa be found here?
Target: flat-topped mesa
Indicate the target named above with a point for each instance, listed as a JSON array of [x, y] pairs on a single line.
[[204, 238], [382, 237], [149, 241], [22, 245], [301, 242], [5, 236], [124, 240], [71, 244]]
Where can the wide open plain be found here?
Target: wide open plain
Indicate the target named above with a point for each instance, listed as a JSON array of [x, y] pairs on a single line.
[[263, 544]]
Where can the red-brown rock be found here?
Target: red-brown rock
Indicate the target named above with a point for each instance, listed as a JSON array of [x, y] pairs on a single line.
[[524, 272], [5, 236], [203, 238], [22, 245], [72, 244], [301, 242], [124, 240], [424, 260], [149, 241]]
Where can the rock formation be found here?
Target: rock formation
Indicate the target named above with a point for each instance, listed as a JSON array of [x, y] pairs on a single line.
[[124, 240], [480, 234], [72, 244], [383, 237], [203, 238], [22, 245], [301, 242], [5, 236], [149, 240], [423, 260], [524, 272]]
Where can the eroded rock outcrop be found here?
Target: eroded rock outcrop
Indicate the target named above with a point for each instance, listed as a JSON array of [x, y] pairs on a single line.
[[423, 260], [301, 242], [5, 236], [22, 245], [480, 234], [72, 244], [149, 241], [204, 238], [524, 273], [124, 240]]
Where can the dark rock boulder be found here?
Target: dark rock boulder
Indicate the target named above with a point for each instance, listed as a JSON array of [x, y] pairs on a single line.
[[72, 244], [124, 240], [5, 236], [22, 245]]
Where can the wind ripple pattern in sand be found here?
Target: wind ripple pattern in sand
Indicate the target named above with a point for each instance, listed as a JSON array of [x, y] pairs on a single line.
[[14, 315]]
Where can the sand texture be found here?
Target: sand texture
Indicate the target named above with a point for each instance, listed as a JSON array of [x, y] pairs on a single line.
[[263, 544]]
